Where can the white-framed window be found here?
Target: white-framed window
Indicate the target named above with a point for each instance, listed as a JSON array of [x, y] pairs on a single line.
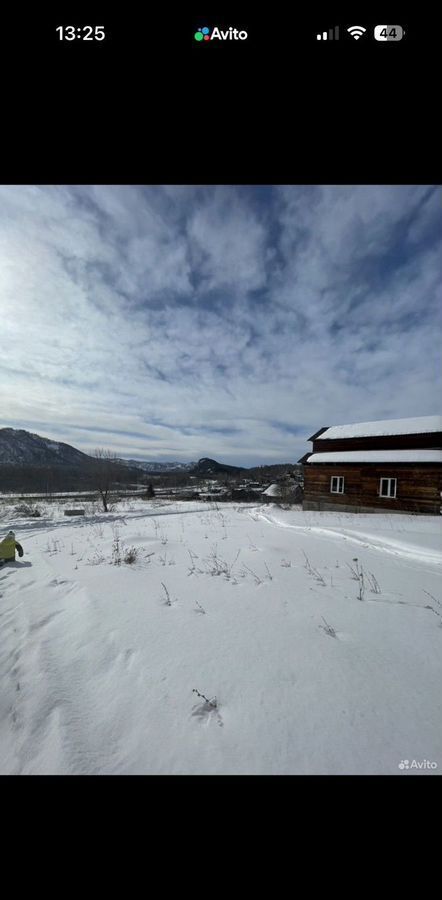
[[337, 484], [387, 487]]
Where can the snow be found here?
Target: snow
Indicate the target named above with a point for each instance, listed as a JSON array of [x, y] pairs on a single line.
[[98, 670], [157, 466], [378, 456], [418, 425], [274, 490]]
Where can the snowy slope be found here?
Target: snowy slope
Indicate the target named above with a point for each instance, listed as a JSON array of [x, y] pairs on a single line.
[[98, 669], [274, 490], [159, 467], [20, 447]]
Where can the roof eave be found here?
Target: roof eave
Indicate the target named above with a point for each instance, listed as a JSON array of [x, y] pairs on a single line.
[[317, 433]]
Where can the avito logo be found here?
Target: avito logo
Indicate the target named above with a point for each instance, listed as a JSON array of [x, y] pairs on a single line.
[[232, 34], [203, 34]]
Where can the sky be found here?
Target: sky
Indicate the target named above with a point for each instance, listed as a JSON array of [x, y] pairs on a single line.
[[177, 322]]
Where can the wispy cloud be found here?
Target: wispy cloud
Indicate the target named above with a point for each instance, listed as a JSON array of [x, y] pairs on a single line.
[[177, 322]]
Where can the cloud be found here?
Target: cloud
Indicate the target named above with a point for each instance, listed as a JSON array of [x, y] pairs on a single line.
[[181, 321]]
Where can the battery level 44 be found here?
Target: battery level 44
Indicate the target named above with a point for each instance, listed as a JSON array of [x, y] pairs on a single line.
[[389, 32]]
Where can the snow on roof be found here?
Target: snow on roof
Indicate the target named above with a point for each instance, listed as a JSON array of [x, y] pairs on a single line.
[[378, 456], [273, 491], [418, 425]]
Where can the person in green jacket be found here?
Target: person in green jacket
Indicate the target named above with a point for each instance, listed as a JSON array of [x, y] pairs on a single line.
[[8, 547]]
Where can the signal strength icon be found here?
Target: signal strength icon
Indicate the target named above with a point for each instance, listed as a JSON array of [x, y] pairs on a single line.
[[332, 35], [356, 31]]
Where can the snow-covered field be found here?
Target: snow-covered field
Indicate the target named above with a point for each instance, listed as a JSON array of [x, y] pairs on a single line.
[[314, 641]]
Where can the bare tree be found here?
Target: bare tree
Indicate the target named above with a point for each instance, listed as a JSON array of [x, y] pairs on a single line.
[[104, 472], [289, 493]]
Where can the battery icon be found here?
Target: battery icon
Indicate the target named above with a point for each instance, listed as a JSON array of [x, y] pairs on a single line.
[[389, 32]]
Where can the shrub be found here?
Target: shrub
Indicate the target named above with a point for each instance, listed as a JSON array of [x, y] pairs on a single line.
[[116, 550], [28, 510], [328, 628], [130, 555]]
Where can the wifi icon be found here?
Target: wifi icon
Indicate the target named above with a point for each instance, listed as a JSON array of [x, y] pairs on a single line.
[[356, 31]]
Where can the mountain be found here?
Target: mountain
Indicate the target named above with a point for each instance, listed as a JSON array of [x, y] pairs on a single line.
[[22, 448], [158, 468], [29, 462], [206, 467]]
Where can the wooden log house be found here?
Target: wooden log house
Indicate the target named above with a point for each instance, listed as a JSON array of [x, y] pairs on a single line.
[[393, 465]]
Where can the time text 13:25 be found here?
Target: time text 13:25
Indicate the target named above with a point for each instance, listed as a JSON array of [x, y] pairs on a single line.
[[82, 32]]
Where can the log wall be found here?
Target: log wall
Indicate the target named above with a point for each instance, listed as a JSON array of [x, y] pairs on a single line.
[[418, 486], [432, 441]]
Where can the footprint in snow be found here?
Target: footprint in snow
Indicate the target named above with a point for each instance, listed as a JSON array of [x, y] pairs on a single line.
[[127, 657]]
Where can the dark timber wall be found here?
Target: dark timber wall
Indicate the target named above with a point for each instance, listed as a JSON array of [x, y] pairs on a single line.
[[418, 486], [387, 442]]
